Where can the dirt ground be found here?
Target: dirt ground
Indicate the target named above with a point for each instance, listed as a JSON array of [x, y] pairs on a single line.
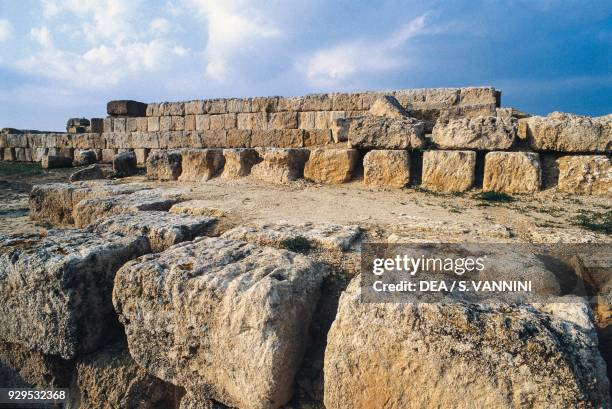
[[386, 214]]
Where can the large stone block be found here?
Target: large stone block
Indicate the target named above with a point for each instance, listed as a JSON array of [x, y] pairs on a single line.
[[449, 171], [280, 165], [139, 140], [87, 141], [9, 155], [202, 122], [51, 161], [165, 123], [212, 139], [164, 165], [331, 165], [248, 321], [200, 165], [238, 138], [347, 102], [461, 355], [141, 155], [126, 108], [277, 138], [388, 107], [124, 164], [264, 104], [97, 125], [512, 172], [481, 133], [16, 140], [372, 132], [585, 175], [153, 124], [92, 172], [108, 155], [239, 162], [283, 120], [317, 137], [194, 108], [56, 289], [386, 168], [119, 125], [255, 120], [568, 133], [84, 157]]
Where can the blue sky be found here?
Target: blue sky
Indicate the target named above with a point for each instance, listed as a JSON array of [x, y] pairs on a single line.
[[65, 58]]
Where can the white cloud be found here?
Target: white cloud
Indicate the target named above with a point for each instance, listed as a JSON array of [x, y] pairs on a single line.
[[338, 64], [6, 30], [160, 26]]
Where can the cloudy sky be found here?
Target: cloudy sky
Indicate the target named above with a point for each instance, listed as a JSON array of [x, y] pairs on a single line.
[[64, 58]]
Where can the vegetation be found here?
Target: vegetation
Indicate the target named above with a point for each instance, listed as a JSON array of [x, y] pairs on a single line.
[[600, 222], [497, 197], [20, 168]]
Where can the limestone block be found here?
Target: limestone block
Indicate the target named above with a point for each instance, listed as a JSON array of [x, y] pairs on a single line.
[[316, 102], [229, 121], [388, 107], [16, 141], [108, 125], [254, 120], [213, 138], [190, 123], [152, 110], [51, 161], [274, 292], [161, 229], [455, 355], [141, 155], [38, 283], [202, 122], [217, 121], [153, 124], [139, 140], [131, 125], [283, 120], [280, 165], [117, 140], [178, 123], [92, 172], [585, 175], [174, 139], [449, 171], [264, 104], [194, 108], [317, 137], [108, 155], [386, 168], [238, 162], [238, 138], [96, 125], [172, 109], [88, 141], [37, 154], [165, 123], [293, 104], [322, 120], [339, 128], [306, 120], [278, 138], [164, 165], [84, 157], [119, 124], [371, 132], [64, 141], [3, 143], [331, 166], [237, 105], [215, 106], [482, 133], [200, 165], [512, 172], [347, 102], [126, 108], [124, 164], [568, 133], [20, 154]]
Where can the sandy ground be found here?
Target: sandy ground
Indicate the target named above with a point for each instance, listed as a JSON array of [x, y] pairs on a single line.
[[395, 215]]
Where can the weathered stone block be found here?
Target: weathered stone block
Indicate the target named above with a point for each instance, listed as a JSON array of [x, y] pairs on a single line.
[[346, 102], [52, 162], [449, 171], [108, 125], [278, 138], [386, 168], [92, 172], [88, 141], [141, 155], [190, 123], [194, 108], [331, 165], [124, 164], [16, 140], [153, 110], [238, 138], [237, 105], [21, 154], [585, 175], [153, 124], [200, 165], [512, 172], [172, 109], [213, 138], [306, 120], [38, 283], [255, 120], [317, 137], [117, 140], [388, 107], [283, 120], [215, 106], [97, 125], [371, 132], [280, 165], [119, 124], [202, 122], [293, 104], [37, 154], [174, 139], [126, 108], [264, 104], [274, 291], [217, 122], [84, 157], [482, 133], [164, 165], [178, 123], [139, 140], [238, 162], [108, 155], [316, 102], [165, 123]]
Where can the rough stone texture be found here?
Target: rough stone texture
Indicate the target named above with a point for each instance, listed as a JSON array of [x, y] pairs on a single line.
[[84, 157], [388, 107], [448, 171], [164, 165], [111, 379], [50, 161], [512, 172], [56, 289], [331, 165], [482, 133], [460, 355], [280, 165], [386, 168], [124, 164], [23, 368], [126, 108], [141, 155], [196, 207], [278, 138], [200, 165], [221, 318], [568, 133], [340, 128], [89, 210], [374, 132], [239, 162], [162, 229], [199, 401], [317, 137], [585, 175], [89, 173], [108, 155], [325, 235]]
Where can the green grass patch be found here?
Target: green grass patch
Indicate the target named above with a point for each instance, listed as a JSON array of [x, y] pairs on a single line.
[[600, 222], [297, 244], [496, 197], [20, 168]]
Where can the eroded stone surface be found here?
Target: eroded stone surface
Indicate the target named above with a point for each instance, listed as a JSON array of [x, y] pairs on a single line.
[[220, 317], [280, 165], [23, 368], [585, 175], [375, 132], [388, 107], [92, 172], [200, 165], [386, 168], [449, 171], [125, 164], [331, 165], [164, 165], [512, 172], [239, 162], [196, 207], [56, 290], [482, 133]]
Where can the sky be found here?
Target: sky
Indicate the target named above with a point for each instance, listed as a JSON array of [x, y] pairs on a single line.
[[67, 58]]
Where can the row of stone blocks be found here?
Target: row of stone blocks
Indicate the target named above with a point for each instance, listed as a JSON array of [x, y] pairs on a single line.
[[442, 171]]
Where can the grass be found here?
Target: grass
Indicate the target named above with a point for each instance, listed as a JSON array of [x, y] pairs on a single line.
[[496, 197], [20, 168], [297, 244], [600, 222]]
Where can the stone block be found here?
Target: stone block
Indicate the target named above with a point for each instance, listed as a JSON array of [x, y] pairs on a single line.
[[126, 108], [585, 175], [317, 137], [316, 102], [39, 280], [230, 121], [292, 104], [96, 125], [237, 105], [84, 157], [306, 120], [20, 154], [388, 107], [347, 102], [107, 125], [119, 124], [255, 120], [37, 154], [278, 138], [3, 143], [238, 162], [88, 141], [139, 140], [200, 165], [339, 128], [371, 132], [164, 165], [278, 303], [194, 108], [217, 122], [481, 133], [213, 138], [141, 155], [215, 106], [124, 164], [264, 104], [131, 125], [172, 109], [190, 123], [153, 110], [153, 124], [238, 138], [165, 123], [283, 120], [280, 165], [202, 122], [386, 168], [53, 162], [178, 123], [174, 139], [108, 155], [449, 171], [92, 172], [16, 140], [117, 140], [512, 172], [331, 166]]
